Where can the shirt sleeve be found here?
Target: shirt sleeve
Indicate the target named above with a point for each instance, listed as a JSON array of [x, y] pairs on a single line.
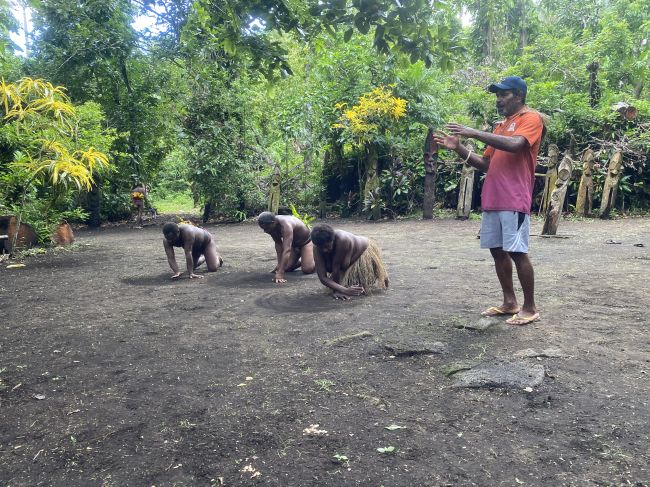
[[529, 126]]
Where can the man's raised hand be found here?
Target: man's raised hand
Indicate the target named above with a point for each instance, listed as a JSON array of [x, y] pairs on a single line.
[[447, 141]]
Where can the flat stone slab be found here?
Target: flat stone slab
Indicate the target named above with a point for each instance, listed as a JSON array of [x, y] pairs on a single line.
[[480, 324], [547, 352], [455, 367], [501, 374], [409, 346]]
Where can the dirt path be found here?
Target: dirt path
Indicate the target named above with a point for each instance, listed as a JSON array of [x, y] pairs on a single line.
[[111, 374]]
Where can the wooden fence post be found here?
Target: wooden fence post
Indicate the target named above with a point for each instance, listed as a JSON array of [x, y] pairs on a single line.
[[611, 184], [430, 175], [465, 189], [586, 188], [550, 177], [274, 193], [556, 202]]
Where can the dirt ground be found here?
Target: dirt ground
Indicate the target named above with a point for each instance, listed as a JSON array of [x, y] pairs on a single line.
[[111, 374]]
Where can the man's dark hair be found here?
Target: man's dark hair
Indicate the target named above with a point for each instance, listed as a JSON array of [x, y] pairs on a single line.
[[322, 234], [265, 218], [170, 228]]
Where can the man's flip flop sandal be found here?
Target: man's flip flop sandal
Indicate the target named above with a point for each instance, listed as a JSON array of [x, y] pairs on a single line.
[[517, 320], [497, 311]]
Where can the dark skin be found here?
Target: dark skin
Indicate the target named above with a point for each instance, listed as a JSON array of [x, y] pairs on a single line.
[[335, 257], [198, 247], [508, 103], [292, 246]]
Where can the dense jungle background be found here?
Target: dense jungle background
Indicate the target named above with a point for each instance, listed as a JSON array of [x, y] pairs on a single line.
[[210, 103]]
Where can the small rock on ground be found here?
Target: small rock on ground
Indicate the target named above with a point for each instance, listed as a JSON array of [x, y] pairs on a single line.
[[503, 374], [481, 324], [408, 346], [532, 353]]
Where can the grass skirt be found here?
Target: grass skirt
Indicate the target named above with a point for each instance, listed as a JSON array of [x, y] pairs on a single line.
[[368, 271]]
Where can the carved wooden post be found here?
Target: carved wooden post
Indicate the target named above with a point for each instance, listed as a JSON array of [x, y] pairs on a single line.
[[372, 178], [611, 184], [556, 202], [430, 174], [586, 188], [274, 193], [550, 177], [465, 189]]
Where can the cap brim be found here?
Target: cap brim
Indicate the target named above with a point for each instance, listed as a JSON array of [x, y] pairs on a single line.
[[498, 87]]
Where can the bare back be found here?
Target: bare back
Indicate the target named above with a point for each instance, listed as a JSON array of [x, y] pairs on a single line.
[[292, 227]]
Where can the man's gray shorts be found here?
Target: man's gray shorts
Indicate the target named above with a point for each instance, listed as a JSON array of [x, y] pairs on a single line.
[[506, 229]]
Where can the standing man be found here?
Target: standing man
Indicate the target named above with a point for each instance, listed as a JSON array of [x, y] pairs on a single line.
[[138, 195], [197, 244], [509, 160], [292, 243]]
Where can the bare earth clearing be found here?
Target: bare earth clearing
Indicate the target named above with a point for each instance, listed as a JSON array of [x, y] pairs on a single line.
[[111, 374]]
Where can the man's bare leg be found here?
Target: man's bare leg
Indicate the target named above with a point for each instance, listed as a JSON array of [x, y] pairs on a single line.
[[139, 218], [503, 266], [212, 257], [526, 277], [294, 263], [307, 264]]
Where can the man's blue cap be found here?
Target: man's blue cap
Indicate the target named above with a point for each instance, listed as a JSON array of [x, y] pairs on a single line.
[[509, 83]]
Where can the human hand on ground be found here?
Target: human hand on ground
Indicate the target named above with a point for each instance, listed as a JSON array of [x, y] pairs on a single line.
[[355, 290], [340, 295], [195, 276], [177, 275], [279, 280]]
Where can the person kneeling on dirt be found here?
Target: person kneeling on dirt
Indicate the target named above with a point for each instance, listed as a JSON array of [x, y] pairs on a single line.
[[348, 264], [292, 243], [198, 245]]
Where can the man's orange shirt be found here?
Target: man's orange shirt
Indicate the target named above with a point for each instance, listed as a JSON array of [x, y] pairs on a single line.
[[508, 185]]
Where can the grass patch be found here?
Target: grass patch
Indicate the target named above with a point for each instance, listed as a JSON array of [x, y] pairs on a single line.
[[174, 203]]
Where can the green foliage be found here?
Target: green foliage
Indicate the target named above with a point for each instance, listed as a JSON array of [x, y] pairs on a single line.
[[306, 218]]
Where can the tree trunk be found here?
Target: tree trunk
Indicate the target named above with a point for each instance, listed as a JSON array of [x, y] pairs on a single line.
[[430, 175], [372, 179], [550, 177], [611, 184], [586, 188], [207, 210], [274, 194], [465, 189], [94, 203], [556, 202]]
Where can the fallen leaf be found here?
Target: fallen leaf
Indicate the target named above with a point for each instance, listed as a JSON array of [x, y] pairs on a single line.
[[40, 397], [387, 449], [394, 427], [15, 266]]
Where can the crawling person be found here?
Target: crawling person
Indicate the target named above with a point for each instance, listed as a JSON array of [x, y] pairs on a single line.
[[198, 245], [348, 264], [292, 243]]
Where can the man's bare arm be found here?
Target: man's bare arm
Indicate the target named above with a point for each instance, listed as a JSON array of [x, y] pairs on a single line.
[[321, 271], [284, 253], [508, 143], [188, 244], [452, 142], [171, 258]]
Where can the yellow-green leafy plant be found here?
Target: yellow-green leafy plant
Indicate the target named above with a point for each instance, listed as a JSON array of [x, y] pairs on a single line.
[[43, 119]]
